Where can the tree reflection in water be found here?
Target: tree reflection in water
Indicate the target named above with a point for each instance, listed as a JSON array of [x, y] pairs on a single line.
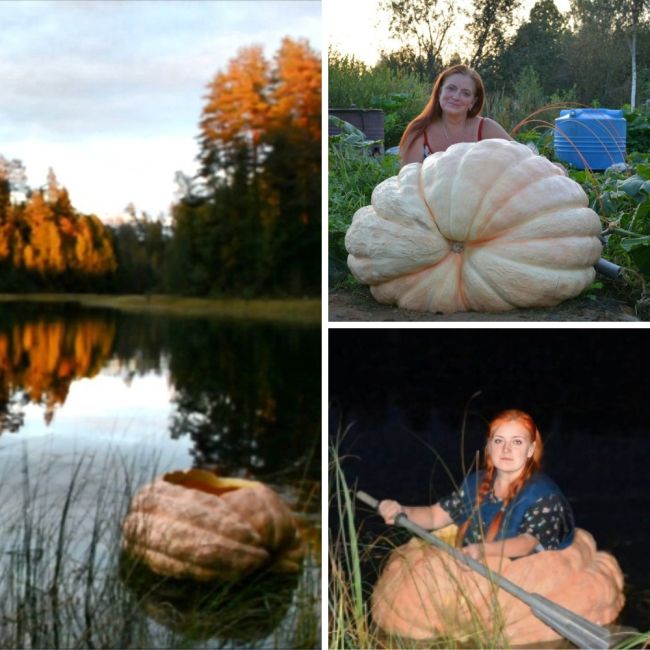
[[248, 395], [41, 354]]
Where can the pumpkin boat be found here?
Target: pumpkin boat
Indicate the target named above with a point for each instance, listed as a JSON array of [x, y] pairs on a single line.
[[485, 226], [423, 593], [196, 525]]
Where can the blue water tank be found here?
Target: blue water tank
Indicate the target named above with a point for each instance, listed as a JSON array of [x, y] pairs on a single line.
[[590, 137]]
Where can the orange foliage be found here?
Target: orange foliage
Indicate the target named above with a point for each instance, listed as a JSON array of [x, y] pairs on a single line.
[[250, 98], [51, 238], [236, 99], [296, 97]]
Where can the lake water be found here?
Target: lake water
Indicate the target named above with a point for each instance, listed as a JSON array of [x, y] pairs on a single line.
[[94, 403]]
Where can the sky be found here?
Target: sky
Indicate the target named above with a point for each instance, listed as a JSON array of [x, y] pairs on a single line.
[[109, 93], [361, 28]]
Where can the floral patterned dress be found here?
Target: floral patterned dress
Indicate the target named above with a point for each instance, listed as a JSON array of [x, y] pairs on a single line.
[[548, 518]]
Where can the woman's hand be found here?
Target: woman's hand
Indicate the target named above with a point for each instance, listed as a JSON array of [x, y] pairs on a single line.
[[389, 510], [474, 551]]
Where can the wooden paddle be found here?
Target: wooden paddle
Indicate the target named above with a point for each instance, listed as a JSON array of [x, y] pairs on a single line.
[[574, 628]]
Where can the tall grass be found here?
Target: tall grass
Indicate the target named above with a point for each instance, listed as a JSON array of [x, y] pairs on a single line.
[[65, 582], [348, 617], [350, 623]]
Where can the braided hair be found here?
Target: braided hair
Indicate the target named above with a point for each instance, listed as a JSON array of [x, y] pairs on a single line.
[[533, 464]]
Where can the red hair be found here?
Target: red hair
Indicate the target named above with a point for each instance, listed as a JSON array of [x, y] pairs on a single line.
[[433, 111], [533, 464]]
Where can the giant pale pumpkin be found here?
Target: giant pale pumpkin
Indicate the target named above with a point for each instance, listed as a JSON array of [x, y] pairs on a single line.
[[197, 525], [423, 593], [485, 226]]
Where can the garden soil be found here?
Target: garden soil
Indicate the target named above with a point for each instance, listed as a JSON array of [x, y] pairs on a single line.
[[357, 304]]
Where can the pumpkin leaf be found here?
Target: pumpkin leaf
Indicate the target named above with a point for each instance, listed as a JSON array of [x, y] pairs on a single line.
[[639, 250], [636, 187], [643, 170], [641, 215]]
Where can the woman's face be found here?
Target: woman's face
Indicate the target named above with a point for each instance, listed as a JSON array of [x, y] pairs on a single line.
[[458, 94], [510, 447]]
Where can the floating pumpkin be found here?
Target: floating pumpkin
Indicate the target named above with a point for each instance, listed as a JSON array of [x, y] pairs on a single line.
[[423, 593], [197, 525], [484, 226]]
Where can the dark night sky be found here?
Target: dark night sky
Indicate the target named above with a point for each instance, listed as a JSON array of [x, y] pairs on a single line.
[[400, 396]]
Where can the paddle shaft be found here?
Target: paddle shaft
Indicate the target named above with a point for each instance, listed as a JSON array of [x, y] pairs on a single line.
[[573, 627]]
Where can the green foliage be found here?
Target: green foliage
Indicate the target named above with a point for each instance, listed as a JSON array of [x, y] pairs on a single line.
[[353, 175], [638, 129], [622, 199]]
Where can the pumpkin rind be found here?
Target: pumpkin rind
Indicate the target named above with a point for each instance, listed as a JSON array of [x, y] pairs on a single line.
[[189, 533], [485, 226], [423, 593]]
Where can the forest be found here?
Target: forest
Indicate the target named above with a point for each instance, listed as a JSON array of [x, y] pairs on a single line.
[[247, 224]]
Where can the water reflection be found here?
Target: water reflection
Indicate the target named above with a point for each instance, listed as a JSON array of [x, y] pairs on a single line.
[[247, 396], [40, 358], [243, 612]]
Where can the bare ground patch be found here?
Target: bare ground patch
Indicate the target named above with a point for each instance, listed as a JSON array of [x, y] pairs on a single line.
[[357, 304]]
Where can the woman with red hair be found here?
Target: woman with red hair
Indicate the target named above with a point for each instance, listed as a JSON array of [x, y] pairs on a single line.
[[451, 115], [510, 508]]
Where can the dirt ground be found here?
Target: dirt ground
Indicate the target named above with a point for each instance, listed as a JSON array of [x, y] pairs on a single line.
[[346, 305]]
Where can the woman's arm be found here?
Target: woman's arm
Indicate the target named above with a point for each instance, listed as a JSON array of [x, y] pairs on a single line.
[[429, 517], [511, 547], [492, 129], [413, 152]]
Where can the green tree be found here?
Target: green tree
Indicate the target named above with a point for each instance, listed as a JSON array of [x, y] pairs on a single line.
[[540, 43], [140, 248], [631, 16], [489, 32], [598, 52], [422, 26]]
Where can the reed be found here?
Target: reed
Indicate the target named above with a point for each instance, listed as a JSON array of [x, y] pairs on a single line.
[[350, 621]]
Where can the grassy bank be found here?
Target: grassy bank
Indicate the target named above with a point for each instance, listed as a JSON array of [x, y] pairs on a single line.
[[303, 311]]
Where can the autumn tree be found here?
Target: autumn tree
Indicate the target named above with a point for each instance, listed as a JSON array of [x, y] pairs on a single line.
[[259, 154], [44, 252], [94, 255], [292, 184], [235, 115], [44, 241]]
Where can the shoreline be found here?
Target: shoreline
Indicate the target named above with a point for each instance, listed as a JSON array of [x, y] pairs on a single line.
[[305, 311]]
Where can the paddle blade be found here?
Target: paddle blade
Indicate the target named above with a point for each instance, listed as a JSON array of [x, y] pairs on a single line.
[[575, 628]]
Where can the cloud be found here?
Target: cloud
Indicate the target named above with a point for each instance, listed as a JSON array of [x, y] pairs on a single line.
[[121, 170], [131, 74]]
